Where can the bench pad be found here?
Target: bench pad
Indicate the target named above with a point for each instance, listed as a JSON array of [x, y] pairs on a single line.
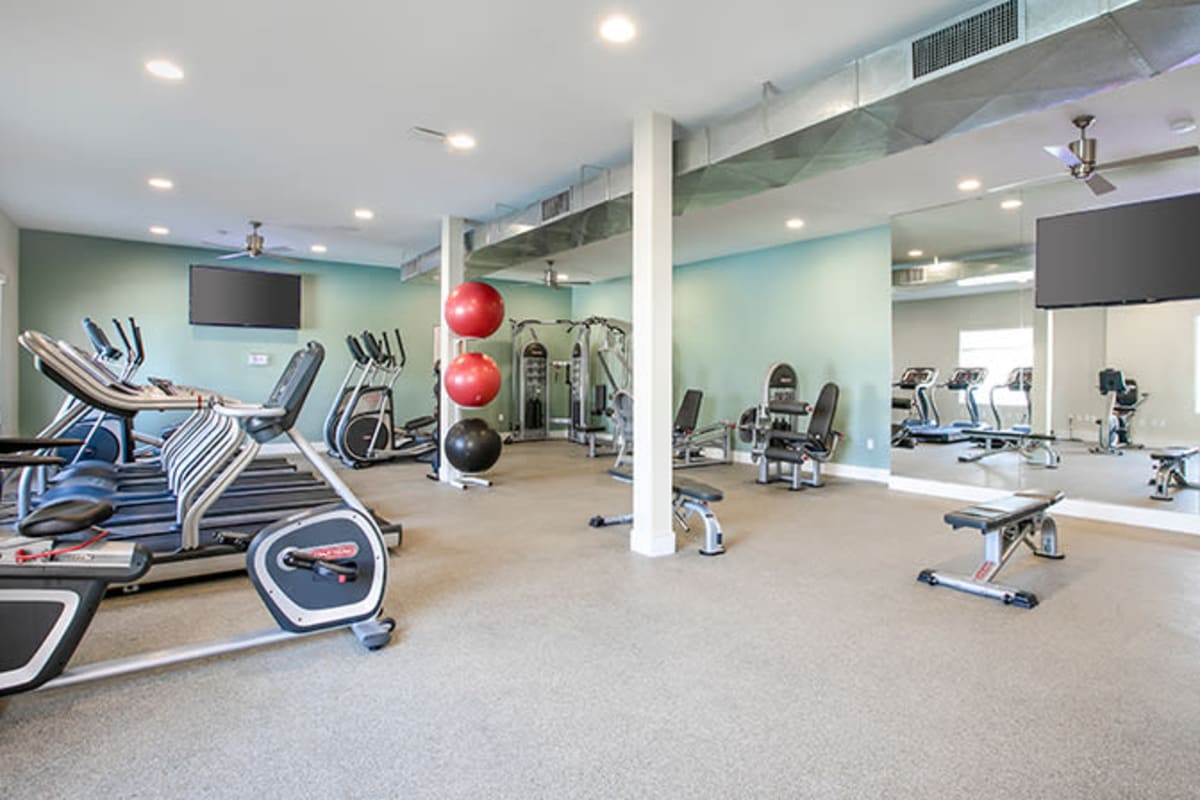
[[684, 486], [1002, 511], [1010, 436], [1174, 453]]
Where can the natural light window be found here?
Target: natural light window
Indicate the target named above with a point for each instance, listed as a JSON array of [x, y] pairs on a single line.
[[1000, 350]]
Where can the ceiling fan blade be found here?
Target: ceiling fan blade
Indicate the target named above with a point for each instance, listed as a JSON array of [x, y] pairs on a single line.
[[1064, 155], [1099, 184], [283, 248], [284, 259], [1028, 182], [1165, 155], [219, 245], [228, 256]]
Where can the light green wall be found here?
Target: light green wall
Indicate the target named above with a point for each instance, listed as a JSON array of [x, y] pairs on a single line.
[[824, 306], [9, 324], [68, 277]]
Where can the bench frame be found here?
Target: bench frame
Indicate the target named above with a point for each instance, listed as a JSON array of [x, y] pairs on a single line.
[[683, 506], [1170, 472], [1001, 538], [1027, 444]]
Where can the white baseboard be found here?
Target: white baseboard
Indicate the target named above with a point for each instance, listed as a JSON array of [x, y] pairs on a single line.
[[1069, 507]]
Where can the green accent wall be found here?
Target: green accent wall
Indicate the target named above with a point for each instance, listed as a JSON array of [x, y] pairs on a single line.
[[67, 277], [822, 305]]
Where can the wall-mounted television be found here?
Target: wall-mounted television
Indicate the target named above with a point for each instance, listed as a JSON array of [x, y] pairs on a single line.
[[243, 298], [1137, 253]]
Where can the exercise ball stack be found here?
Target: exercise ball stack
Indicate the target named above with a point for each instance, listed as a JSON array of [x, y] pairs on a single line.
[[473, 310]]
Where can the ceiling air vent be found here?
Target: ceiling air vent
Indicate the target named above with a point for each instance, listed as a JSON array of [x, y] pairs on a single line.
[[965, 39], [556, 206], [909, 276]]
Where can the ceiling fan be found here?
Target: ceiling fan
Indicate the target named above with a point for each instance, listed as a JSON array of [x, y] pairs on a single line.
[[256, 247], [555, 281], [1079, 157]]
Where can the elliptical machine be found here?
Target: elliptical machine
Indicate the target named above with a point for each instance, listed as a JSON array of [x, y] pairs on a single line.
[[316, 570], [363, 424]]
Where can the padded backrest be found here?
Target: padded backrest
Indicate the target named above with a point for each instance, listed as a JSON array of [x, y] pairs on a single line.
[[820, 424], [1128, 399], [689, 410], [290, 392]]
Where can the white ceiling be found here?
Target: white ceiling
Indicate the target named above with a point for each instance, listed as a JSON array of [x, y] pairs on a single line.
[[1131, 120], [297, 112]]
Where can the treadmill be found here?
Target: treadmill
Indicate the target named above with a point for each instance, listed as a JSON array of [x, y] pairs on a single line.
[[966, 380], [199, 542]]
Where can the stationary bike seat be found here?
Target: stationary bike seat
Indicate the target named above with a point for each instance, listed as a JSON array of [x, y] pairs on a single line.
[[64, 516]]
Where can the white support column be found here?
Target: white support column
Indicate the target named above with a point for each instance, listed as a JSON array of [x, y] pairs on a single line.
[[653, 172], [453, 270]]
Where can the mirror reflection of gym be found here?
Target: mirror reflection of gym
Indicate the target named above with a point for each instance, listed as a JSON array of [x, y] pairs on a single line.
[[1084, 397]]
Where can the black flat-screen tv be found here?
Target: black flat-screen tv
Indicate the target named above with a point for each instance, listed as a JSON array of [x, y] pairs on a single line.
[[243, 298], [1138, 253]]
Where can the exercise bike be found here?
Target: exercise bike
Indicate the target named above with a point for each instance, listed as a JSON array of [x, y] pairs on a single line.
[[360, 428], [320, 569]]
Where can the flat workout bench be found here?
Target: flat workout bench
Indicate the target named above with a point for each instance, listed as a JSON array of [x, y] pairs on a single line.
[[690, 497], [1005, 523], [1170, 471]]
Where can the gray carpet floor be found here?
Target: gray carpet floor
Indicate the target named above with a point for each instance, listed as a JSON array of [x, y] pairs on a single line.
[[537, 658]]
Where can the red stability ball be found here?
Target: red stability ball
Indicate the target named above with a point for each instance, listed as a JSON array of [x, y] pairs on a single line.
[[472, 380], [474, 310]]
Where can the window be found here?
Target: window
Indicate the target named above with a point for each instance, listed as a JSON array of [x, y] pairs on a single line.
[[1000, 350]]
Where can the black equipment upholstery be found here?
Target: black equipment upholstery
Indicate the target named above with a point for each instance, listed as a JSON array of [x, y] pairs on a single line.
[[63, 517], [1002, 511], [683, 486], [289, 392], [688, 415]]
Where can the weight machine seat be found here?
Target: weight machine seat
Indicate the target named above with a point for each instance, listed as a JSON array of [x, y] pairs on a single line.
[[64, 516], [1174, 453], [1002, 511], [682, 486], [796, 456]]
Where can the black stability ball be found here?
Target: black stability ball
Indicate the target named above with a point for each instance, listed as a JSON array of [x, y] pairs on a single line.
[[472, 446]]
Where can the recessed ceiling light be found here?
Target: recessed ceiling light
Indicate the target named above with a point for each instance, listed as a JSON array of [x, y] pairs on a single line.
[[618, 29], [795, 223], [318, 248], [460, 141], [969, 185], [1182, 125], [915, 253], [167, 70], [159, 230], [161, 184], [364, 213], [1010, 205]]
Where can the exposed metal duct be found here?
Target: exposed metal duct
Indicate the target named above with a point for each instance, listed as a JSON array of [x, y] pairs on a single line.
[[971, 72]]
